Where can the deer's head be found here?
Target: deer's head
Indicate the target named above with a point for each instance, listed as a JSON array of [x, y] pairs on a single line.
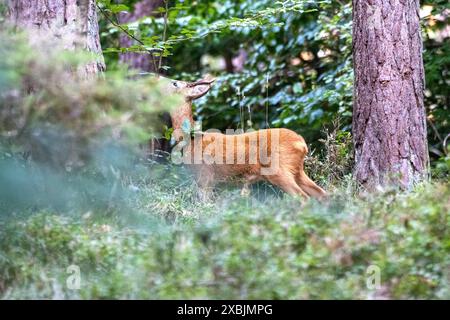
[[190, 90], [182, 118]]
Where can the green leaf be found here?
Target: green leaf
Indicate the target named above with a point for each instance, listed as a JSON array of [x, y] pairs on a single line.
[[160, 10], [297, 88], [111, 50], [116, 8], [168, 133]]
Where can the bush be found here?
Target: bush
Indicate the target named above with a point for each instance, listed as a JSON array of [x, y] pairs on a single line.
[[66, 142], [235, 248], [62, 119], [332, 167]]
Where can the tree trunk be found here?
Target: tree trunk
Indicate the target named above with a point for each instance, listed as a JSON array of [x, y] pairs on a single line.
[[158, 148], [389, 121], [71, 23], [138, 61]]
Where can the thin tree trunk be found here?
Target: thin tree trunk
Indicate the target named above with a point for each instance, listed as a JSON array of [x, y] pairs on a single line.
[[389, 120], [138, 61], [70, 23], [158, 148], [228, 57]]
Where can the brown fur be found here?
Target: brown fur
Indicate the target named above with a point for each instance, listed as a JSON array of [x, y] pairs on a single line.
[[290, 152]]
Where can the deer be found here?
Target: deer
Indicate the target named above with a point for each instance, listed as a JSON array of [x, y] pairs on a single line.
[[275, 155]]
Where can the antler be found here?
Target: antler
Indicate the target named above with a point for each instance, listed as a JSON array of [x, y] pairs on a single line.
[[200, 82]]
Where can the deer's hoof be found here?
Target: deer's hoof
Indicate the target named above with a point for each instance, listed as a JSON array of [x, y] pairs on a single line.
[[245, 192]]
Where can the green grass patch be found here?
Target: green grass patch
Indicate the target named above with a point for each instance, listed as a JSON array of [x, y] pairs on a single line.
[[170, 245]]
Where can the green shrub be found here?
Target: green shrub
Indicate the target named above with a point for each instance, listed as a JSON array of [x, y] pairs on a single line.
[[60, 119], [236, 248], [66, 142]]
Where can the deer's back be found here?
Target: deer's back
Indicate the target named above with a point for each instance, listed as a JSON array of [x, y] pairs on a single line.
[[246, 153]]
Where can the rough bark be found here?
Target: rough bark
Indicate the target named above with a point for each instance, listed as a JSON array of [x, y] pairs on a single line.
[[71, 23], [138, 61], [389, 120]]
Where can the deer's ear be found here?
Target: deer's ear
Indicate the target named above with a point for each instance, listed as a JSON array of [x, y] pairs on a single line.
[[198, 91]]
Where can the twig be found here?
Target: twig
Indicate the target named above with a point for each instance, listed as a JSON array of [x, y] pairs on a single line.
[[117, 25], [436, 132], [444, 144], [166, 5], [267, 101]]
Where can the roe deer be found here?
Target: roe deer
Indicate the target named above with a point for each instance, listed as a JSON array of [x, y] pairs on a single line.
[[274, 155]]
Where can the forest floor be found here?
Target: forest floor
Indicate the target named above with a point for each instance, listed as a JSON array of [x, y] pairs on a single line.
[[166, 244]]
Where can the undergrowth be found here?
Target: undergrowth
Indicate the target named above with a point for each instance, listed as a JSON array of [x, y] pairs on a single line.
[[173, 246]]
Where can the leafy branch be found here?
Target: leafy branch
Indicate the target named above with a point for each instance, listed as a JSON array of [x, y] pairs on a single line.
[[258, 19], [130, 35], [166, 12], [255, 20]]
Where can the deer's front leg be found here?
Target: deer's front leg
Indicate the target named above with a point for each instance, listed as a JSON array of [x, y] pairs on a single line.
[[245, 191], [250, 179], [205, 182]]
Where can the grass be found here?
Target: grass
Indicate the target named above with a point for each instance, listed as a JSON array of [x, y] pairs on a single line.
[[77, 194], [165, 244]]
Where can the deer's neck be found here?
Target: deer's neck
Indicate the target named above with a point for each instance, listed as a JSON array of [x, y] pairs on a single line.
[[180, 118]]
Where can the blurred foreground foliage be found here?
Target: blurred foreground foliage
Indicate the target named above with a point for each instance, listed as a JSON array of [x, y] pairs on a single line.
[[46, 105], [236, 248], [66, 141]]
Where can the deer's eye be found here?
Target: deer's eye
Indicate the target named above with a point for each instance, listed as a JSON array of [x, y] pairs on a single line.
[[175, 84]]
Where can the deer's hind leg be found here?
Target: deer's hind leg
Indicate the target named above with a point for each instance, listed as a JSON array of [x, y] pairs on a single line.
[[309, 186], [286, 181], [305, 183]]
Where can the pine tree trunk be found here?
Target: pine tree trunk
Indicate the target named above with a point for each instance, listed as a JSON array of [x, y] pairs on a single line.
[[389, 120], [71, 23]]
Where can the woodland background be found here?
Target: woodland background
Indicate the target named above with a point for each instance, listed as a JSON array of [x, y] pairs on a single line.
[[75, 188]]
